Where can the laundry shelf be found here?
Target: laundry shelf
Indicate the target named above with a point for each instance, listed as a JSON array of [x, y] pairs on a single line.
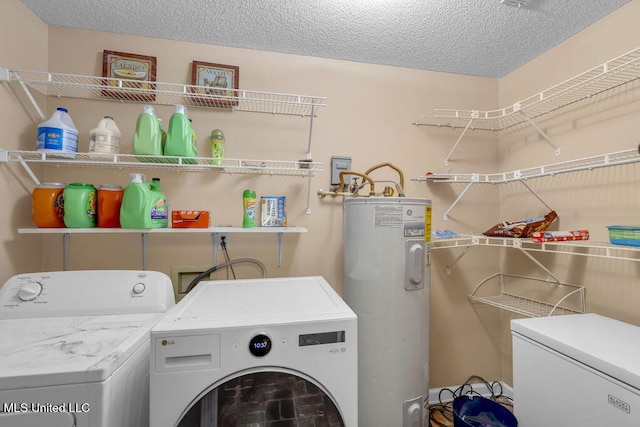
[[587, 163], [587, 248], [125, 90], [570, 295], [521, 175], [187, 164], [606, 76], [215, 233]]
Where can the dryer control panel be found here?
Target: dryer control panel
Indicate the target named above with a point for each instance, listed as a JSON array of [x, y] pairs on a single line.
[[80, 293]]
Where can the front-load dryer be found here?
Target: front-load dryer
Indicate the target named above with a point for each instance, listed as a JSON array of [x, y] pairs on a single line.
[[256, 352], [74, 347]]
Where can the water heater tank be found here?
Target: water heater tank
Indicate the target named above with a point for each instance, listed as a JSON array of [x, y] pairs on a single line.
[[387, 282]]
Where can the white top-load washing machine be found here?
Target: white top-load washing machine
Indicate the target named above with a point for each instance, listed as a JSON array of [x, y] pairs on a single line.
[[74, 347], [251, 352], [576, 370]]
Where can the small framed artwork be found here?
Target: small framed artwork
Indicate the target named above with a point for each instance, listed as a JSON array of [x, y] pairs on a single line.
[[218, 80], [129, 71]]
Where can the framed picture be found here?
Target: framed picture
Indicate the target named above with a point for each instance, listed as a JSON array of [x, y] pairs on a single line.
[[137, 72], [217, 80]]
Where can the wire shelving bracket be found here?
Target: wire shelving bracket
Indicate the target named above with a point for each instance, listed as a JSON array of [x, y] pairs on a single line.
[[611, 74]]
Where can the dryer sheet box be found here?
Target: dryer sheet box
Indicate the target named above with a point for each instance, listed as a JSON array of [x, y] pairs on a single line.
[[273, 211]]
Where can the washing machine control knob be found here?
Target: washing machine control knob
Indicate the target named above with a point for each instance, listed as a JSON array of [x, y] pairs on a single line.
[[30, 291], [260, 345], [138, 288]]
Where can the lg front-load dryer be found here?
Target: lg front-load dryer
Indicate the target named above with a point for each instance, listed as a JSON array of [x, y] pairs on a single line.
[[256, 352], [74, 347]]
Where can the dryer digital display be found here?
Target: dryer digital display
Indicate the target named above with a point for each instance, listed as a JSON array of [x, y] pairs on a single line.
[[321, 338], [260, 345]]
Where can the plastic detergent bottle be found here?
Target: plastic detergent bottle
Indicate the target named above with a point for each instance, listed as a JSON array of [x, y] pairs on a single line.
[[142, 206], [80, 202], [249, 209], [147, 139], [105, 138], [180, 136], [217, 147], [159, 211], [58, 134]]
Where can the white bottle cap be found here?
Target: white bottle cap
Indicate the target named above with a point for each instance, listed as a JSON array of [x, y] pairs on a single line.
[[148, 109], [181, 109], [136, 178]]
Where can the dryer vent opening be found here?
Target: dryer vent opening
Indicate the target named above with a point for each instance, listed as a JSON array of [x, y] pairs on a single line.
[[265, 399]]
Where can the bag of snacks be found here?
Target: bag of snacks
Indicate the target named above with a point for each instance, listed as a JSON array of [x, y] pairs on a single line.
[[524, 228]]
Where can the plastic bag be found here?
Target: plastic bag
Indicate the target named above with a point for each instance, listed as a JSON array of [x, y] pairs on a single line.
[[524, 228]]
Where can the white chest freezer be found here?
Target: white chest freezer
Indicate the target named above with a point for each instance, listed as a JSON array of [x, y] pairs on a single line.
[[576, 370]]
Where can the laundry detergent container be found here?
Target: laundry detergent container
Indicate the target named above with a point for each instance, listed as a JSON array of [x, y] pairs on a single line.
[[478, 411]]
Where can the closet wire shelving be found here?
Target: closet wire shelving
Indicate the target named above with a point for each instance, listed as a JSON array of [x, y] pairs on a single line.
[[63, 85], [616, 72], [509, 301]]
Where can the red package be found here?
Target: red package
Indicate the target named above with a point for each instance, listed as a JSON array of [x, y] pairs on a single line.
[[559, 236]]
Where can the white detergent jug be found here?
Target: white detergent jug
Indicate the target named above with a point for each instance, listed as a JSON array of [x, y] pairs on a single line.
[[105, 138]]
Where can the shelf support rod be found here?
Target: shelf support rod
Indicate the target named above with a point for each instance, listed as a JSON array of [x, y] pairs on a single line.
[[313, 113], [29, 172], [215, 238], [145, 241], [279, 250], [466, 128], [308, 209], [32, 100], [534, 193], [455, 261], [518, 245], [540, 131], [66, 238], [474, 179]]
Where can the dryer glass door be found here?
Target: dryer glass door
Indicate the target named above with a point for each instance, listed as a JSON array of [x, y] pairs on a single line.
[[263, 398]]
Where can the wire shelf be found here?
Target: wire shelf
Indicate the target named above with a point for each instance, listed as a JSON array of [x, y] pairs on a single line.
[[125, 90], [524, 306], [188, 164], [530, 307], [587, 163], [614, 73]]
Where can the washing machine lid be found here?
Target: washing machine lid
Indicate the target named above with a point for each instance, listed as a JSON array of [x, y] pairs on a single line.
[[607, 345], [68, 350], [239, 303]]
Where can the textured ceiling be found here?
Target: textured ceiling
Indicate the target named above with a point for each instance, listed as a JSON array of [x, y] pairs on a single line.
[[473, 37]]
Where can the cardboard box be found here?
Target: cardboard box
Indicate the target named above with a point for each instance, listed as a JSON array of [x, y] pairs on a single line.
[[273, 211], [190, 219]]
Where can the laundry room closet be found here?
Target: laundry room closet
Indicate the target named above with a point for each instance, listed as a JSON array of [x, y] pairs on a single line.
[[372, 114]]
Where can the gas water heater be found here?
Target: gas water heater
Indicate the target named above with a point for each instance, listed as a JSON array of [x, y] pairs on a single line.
[[387, 282]]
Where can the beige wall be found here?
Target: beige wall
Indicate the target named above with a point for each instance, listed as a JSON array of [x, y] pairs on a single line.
[[28, 50], [369, 115], [583, 200]]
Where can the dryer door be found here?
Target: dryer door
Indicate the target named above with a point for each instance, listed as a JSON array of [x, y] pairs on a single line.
[[260, 398]]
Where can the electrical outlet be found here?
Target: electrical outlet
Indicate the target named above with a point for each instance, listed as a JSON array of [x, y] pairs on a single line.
[[223, 237]]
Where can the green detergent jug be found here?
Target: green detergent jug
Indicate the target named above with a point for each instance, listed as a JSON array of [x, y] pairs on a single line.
[[147, 139], [180, 137], [143, 205]]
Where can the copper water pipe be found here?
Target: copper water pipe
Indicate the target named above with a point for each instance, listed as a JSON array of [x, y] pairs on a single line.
[[395, 168], [323, 193]]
